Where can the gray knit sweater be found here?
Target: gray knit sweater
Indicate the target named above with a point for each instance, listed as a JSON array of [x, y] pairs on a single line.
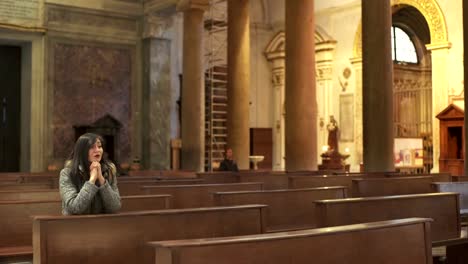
[[90, 199]]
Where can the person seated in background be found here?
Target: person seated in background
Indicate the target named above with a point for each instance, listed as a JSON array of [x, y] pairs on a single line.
[[88, 183], [228, 164]]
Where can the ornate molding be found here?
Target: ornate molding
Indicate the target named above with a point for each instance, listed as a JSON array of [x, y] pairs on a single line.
[[278, 78], [156, 27], [184, 5], [62, 18], [276, 48], [324, 73], [431, 11]]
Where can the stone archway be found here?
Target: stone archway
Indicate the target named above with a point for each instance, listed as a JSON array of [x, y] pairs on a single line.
[[438, 47], [275, 54]]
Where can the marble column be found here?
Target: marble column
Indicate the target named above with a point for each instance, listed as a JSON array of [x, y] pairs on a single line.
[[276, 57], [300, 94], [193, 91], [377, 86], [278, 115], [238, 80], [358, 149], [157, 103], [465, 63], [324, 55]]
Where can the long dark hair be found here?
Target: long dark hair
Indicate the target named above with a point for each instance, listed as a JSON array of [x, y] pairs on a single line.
[[79, 163]]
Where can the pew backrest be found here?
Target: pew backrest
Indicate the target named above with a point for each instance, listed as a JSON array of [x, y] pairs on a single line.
[[16, 216], [442, 207], [299, 182], [367, 187], [28, 186], [29, 195], [436, 177], [403, 241], [270, 181], [457, 187], [287, 209], [217, 177], [198, 195], [134, 187], [122, 238]]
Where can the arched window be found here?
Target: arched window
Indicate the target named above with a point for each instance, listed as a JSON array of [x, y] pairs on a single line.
[[403, 49]]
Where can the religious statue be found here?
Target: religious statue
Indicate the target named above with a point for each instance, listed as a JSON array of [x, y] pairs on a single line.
[[332, 159], [333, 130]]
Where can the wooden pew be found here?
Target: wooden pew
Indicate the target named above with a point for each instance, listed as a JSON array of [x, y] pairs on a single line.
[[458, 187], [122, 238], [218, 177], [442, 207], [403, 241], [198, 195], [134, 187], [436, 177], [457, 178], [29, 195], [16, 220], [19, 177], [28, 186], [180, 174], [298, 182], [367, 187], [271, 181], [287, 209]]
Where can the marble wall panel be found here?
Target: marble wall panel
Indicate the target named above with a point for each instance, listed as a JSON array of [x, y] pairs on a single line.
[[89, 82], [158, 102]]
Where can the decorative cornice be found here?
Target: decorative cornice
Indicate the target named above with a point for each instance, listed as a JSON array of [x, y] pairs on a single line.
[[184, 5], [153, 6], [156, 27], [438, 46]]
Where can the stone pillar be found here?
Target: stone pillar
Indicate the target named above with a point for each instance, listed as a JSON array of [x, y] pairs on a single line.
[[193, 91], [377, 86], [238, 80], [324, 53], [157, 103], [300, 94], [278, 125], [465, 63], [358, 149], [440, 100]]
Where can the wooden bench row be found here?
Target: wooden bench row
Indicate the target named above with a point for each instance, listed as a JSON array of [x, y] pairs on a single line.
[[16, 219], [100, 244], [398, 241]]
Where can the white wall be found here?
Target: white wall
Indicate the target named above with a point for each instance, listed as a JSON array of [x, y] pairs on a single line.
[[452, 10]]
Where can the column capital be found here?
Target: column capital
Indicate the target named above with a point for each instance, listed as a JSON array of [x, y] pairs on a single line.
[[356, 61], [184, 5], [156, 27]]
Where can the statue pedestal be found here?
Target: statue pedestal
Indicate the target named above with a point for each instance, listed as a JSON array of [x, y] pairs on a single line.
[[333, 160]]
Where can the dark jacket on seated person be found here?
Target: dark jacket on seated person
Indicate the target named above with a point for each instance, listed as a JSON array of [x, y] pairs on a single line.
[[228, 165]]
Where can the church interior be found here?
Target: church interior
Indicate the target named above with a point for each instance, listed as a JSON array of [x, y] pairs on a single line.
[[344, 118]]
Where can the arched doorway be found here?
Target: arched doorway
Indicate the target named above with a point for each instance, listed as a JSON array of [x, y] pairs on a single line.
[[412, 79]]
